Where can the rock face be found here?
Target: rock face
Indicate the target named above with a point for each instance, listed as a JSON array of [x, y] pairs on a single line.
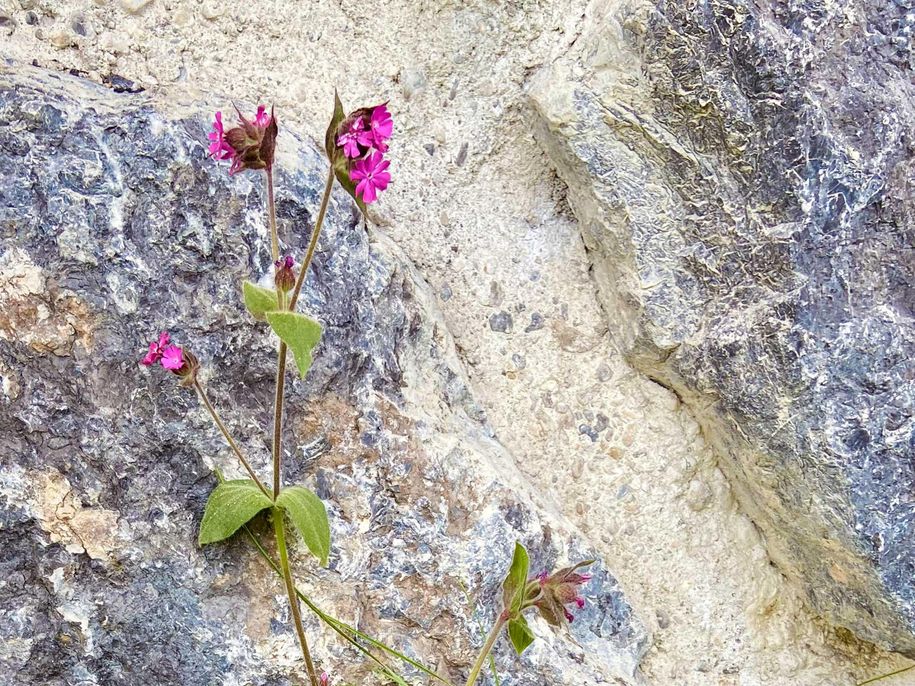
[[746, 197], [114, 226]]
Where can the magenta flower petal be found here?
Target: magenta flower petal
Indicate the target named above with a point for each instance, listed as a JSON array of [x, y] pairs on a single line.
[[173, 358], [152, 356], [371, 175], [261, 118], [382, 126]]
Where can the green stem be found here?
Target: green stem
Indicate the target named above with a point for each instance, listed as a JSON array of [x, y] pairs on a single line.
[[271, 217], [225, 432], [486, 649], [306, 263], [278, 419], [279, 527], [886, 676]]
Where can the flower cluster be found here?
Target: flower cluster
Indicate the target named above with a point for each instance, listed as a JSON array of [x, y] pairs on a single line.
[[557, 590], [171, 357], [362, 137], [250, 145]]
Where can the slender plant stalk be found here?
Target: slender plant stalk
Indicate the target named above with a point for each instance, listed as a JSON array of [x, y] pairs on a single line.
[[271, 217], [886, 676], [306, 263], [278, 419], [486, 649], [228, 436], [279, 527]]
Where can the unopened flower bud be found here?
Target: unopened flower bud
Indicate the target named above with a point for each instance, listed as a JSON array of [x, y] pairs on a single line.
[[284, 277]]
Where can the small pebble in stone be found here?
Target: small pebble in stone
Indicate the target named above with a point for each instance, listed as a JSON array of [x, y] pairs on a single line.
[[134, 6], [430, 148], [501, 322], [536, 322], [413, 81], [31, 19], [519, 361], [462, 155], [588, 431], [603, 421], [603, 372], [445, 292]]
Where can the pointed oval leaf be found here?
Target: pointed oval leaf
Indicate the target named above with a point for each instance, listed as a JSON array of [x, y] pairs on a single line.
[[341, 171], [309, 517], [515, 583], [258, 300], [300, 333], [330, 142], [231, 505], [520, 634]]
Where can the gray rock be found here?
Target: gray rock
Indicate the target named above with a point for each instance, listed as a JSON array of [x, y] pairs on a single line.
[[747, 202], [501, 322], [115, 225]]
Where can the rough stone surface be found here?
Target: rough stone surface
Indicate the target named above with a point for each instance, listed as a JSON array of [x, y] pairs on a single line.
[[742, 175], [115, 225]]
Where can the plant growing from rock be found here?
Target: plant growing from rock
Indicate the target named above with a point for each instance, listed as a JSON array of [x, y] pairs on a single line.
[[355, 144]]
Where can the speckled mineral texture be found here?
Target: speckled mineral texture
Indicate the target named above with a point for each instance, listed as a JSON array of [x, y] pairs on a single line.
[[114, 226], [742, 172]]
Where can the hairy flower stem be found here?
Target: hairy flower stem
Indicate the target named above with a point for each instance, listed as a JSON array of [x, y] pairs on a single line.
[[228, 436], [486, 649], [271, 217], [306, 263], [278, 419], [279, 527]]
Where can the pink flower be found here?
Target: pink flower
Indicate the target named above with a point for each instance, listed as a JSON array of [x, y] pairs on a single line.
[[156, 348], [354, 136], [325, 678], [261, 118], [371, 176], [219, 149], [250, 145], [381, 127], [559, 589], [173, 358]]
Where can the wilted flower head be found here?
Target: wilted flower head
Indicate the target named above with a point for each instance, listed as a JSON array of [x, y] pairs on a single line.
[[284, 277], [172, 358], [553, 592], [250, 145]]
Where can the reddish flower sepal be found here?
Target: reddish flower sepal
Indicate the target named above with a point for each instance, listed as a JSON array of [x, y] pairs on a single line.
[[552, 593], [250, 145]]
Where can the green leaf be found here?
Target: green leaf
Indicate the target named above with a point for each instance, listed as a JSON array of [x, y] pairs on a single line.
[[231, 505], [516, 581], [341, 171], [330, 138], [520, 634], [309, 517], [339, 161], [299, 332], [258, 300]]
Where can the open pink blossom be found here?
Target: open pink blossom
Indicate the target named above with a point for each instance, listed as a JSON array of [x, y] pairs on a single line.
[[173, 358], [371, 177], [354, 136], [381, 126], [156, 349], [219, 149]]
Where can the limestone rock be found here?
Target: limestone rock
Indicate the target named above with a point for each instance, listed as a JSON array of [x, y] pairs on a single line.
[[742, 173], [115, 225]]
